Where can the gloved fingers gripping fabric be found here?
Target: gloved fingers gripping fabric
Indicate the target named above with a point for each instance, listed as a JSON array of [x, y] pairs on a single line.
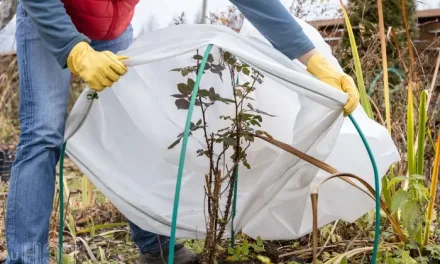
[[118, 66], [320, 67], [112, 76], [350, 88], [122, 58], [98, 69]]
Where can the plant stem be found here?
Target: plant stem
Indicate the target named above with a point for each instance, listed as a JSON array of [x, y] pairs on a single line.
[[210, 151], [410, 111], [408, 40], [357, 64], [210, 242], [384, 64], [433, 191], [421, 134], [236, 159]]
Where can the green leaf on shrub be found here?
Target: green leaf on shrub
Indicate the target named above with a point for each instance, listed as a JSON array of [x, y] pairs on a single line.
[[184, 89], [245, 248], [180, 96], [182, 104], [407, 259], [223, 100], [227, 55], [210, 58], [246, 71], [255, 123], [190, 84], [400, 198], [422, 190], [185, 72], [174, 143], [211, 94], [239, 93], [412, 218], [395, 180], [237, 250], [264, 113], [203, 93], [246, 164], [198, 57], [259, 241], [230, 141]]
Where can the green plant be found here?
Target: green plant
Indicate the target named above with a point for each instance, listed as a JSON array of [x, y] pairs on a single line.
[[240, 252], [358, 69], [432, 194], [366, 19], [434, 252], [246, 250], [258, 247], [86, 192], [407, 197], [195, 245], [421, 136], [231, 141]]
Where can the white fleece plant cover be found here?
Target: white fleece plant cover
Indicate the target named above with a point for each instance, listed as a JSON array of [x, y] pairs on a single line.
[[122, 143]]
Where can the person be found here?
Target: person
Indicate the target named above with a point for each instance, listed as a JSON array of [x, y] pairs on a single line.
[[56, 38]]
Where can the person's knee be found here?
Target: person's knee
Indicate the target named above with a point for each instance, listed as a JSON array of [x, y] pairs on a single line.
[[41, 138], [47, 135]]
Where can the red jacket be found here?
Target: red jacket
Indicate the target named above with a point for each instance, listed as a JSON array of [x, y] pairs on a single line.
[[101, 19]]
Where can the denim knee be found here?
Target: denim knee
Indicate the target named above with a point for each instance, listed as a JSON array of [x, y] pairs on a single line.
[[45, 138]]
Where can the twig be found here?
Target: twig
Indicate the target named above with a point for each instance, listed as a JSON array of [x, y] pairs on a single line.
[[396, 43], [309, 250], [220, 156], [377, 111], [434, 80], [89, 250], [352, 242], [384, 65], [210, 148], [113, 231], [67, 207], [328, 238]]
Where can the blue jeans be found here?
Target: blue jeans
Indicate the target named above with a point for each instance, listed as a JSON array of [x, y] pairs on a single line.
[[44, 90]]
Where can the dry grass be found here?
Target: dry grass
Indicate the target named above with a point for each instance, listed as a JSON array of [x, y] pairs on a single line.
[[8, 98]]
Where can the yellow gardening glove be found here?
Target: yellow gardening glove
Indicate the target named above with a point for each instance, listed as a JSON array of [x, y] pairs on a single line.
[[321, 68], [97, 69]]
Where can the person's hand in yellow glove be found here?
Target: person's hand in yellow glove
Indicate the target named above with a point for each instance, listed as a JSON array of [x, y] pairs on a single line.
[[98, 69], [321, 68]]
